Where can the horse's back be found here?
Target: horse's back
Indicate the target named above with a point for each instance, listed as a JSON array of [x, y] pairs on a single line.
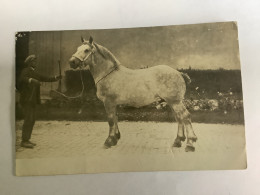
[[162, 80], [153, 71], [164, 68], [167, 74], [157, 76], [142, 86]]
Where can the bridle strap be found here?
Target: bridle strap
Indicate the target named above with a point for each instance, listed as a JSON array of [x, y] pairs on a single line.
[[83, 60], [112, 70], [87, 56]]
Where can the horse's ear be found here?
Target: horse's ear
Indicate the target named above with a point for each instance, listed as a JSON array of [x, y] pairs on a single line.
[[90, 40], [82, 39]]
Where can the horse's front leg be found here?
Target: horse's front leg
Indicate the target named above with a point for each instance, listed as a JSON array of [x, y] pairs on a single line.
[[114, 133], [117, 134]]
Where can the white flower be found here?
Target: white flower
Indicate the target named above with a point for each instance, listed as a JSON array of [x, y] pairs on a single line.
[[230, 93], [213, 104], [163, 104], [196, 108], [197, 88], [159, 107]]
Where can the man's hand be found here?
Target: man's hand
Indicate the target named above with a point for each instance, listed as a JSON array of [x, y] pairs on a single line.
[[58, 77], [34, 81]]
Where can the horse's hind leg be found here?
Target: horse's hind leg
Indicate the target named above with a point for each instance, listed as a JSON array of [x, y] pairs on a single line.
[[191, 137], [183, 117], [114, 133], [180, 135]]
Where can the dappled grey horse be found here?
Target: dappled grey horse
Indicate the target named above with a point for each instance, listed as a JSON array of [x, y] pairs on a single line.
[[118, 85]]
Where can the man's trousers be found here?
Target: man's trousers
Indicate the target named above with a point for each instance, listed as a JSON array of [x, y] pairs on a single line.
[[29, 120]]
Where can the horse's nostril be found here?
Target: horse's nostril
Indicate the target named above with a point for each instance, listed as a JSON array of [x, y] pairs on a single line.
[[71, 62]]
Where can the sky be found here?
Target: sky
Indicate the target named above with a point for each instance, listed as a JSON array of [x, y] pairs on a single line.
[[196, 46], [199, 46]]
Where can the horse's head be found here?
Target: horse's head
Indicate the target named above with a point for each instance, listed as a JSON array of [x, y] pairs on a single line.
[[83, 55]]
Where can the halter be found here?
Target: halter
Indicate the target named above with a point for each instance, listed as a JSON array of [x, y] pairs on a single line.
[[83, 87], [87, 56], [82, 60]]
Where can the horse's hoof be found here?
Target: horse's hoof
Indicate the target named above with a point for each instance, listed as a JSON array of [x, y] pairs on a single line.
[[182, 138], [194, 139], [110, 141], [177, 144], [106, 147], [118, 135], [189, 149]]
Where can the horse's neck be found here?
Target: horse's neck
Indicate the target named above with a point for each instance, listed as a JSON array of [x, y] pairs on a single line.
[[100, 67]]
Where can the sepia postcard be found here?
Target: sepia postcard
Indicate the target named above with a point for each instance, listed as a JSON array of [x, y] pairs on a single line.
[[166, 98]]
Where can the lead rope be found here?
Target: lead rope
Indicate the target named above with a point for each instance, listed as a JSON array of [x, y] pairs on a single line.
[[81, 93], [83, 87]]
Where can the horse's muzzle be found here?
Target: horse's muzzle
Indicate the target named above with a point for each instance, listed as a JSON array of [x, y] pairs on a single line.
[[74, 62]]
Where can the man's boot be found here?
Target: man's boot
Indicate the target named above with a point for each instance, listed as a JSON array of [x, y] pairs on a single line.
[[26, 144]]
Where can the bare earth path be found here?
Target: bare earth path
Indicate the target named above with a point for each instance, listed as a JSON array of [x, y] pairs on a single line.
[[69, 147]]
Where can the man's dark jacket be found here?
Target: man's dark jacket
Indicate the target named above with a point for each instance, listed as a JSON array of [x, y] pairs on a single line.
[[30, 91]]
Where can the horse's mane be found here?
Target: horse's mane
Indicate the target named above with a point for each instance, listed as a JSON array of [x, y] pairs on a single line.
[[105, 53]]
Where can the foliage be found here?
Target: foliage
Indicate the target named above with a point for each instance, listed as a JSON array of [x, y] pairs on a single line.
[[208, 82]]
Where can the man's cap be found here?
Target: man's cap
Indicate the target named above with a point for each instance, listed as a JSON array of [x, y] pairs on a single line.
[[29, 59]]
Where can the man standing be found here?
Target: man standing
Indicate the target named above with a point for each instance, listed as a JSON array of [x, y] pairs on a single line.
[[29, 81]]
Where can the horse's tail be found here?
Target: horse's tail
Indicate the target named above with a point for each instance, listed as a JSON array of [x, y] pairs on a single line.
[[186, 77]]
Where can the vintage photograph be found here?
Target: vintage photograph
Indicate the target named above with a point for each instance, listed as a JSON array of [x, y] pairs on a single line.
[[166, 98]]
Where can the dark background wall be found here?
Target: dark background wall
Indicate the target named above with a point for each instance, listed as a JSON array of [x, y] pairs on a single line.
[[21, 51]]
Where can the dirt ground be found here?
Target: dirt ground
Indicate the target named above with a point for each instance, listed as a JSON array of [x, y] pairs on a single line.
[[72, 147]]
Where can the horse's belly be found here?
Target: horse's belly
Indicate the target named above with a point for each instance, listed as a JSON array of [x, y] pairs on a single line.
[[137, 100], [129, 97], [136, 94]]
